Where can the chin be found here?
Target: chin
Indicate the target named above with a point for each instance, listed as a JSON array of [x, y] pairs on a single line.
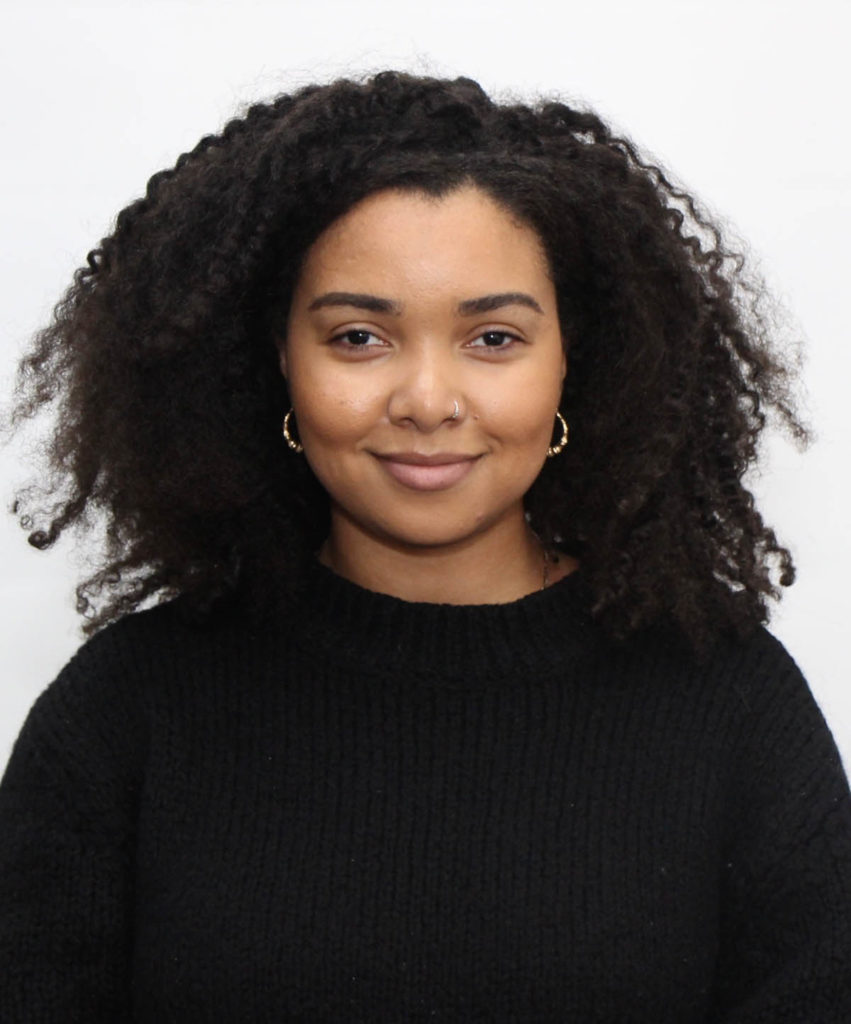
[[426, 538], [430, 531]]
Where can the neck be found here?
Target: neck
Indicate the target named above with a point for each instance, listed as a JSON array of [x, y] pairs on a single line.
[[496, 567]]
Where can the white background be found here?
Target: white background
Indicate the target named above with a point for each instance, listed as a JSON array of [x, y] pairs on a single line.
[[746, 101]]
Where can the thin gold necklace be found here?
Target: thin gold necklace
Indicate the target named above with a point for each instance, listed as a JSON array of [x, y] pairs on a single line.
[[545, 580]]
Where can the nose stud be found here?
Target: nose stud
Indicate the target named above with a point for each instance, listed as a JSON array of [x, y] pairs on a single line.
[[455, 411]]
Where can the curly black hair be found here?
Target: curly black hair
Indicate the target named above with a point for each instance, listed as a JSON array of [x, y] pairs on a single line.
[[161, 359]]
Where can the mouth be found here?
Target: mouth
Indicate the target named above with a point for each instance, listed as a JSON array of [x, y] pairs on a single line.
[[435, 472]]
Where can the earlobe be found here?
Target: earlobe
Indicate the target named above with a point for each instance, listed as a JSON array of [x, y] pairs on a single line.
[[282, 356]]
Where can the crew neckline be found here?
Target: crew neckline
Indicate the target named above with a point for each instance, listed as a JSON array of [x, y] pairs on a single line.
[[342, 621]]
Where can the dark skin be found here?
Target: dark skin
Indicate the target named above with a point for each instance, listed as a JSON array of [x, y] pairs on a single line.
[[376, 383]]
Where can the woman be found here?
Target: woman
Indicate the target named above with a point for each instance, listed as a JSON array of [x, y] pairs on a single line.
[[430, 415]]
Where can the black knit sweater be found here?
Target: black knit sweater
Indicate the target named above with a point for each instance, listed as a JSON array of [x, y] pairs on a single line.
[[371, 810]]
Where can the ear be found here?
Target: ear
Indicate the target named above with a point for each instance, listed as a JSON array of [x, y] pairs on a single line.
[[563, 360], [282, 356]]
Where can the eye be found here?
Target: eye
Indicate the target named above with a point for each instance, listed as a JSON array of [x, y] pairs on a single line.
[[357, 339], [494, 341]]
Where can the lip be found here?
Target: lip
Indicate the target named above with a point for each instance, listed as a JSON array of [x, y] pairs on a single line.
[[420, 472]]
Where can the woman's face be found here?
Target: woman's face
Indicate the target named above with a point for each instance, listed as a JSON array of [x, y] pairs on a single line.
[[425, 363]]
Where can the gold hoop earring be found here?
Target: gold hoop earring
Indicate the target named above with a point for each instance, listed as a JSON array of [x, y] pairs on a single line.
[[296, 446], [556, 449]]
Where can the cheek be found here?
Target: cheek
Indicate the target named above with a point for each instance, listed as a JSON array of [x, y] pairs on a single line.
[[521, 414], [331, 407], [333, 423], [328, 417]]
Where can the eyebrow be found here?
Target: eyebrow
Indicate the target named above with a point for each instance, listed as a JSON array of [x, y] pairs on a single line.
[[371, 303], [469, 307]]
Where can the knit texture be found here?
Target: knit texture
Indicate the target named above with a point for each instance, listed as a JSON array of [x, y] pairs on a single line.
[[372, 810]]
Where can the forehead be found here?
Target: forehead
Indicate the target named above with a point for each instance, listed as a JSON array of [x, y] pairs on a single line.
[[463, 241]]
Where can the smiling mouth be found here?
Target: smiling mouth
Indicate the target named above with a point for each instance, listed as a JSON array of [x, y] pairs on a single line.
[[427, 472]]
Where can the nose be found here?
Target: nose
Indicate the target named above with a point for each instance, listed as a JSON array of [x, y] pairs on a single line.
[[425, 394]]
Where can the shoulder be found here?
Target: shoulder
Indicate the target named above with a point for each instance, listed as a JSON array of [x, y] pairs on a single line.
[[89, 732], [122, 657], [747, 668], [763, 680], [747, 690], [747, 701], [742, 667], [773, 708], [154, 644], [117, 678], [101, 691], [787, 760]]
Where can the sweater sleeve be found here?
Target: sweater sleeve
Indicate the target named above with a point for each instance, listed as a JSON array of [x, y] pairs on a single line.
[[67, 812], [785, 939]]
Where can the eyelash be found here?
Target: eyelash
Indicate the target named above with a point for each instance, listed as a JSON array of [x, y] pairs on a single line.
[[343, 340], [511, 338]]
